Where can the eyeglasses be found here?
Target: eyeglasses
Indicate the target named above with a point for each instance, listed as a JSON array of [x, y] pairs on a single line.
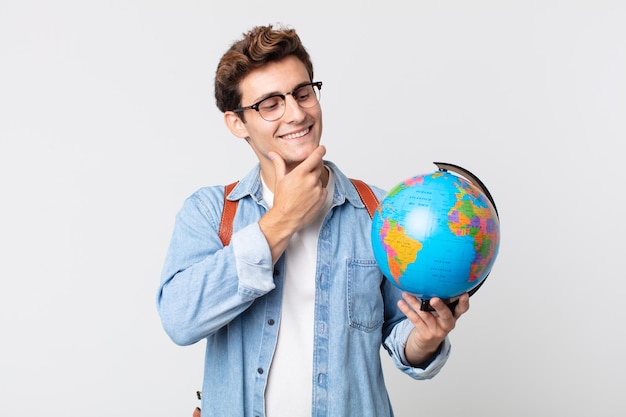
[[272, 108]]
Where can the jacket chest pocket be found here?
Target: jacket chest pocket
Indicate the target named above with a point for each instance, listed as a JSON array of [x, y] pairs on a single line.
[[365, 300]]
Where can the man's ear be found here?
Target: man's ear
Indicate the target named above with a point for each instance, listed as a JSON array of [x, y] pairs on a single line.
[[236, 126]]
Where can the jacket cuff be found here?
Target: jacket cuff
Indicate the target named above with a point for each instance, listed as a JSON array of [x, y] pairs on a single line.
[[396, 343], [254, 262]]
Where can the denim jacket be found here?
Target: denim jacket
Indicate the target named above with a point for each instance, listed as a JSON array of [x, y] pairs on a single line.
[[231, 298]]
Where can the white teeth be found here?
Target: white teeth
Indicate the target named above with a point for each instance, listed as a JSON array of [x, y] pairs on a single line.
[[296, 135]]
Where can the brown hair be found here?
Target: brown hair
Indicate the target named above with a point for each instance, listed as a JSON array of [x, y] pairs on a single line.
[[261, 45]]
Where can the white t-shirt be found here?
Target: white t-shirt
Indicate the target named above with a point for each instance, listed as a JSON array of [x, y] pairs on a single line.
[[289, 383]]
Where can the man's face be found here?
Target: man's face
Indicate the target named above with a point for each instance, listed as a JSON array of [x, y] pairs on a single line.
[[297, 133]]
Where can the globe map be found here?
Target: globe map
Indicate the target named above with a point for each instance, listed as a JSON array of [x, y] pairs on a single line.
[[435, 235]]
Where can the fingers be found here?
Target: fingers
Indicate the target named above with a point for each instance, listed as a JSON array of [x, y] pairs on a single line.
[[311, 163], [280, 169], [314, 161], [410, 306], [441, 317], [463, 305], [299, 191]]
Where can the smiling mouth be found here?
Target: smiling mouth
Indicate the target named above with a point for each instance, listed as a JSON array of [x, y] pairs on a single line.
[[297, 134]]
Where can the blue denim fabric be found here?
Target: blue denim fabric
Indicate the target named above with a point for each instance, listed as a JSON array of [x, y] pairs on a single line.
[[230, 297]]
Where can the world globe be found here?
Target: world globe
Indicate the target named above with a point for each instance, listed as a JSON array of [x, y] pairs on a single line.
[[437, 234]]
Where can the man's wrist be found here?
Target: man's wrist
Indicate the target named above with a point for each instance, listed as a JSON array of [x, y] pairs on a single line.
[[424, 364]]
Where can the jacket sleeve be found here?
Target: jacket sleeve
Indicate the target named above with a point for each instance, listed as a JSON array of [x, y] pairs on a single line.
[[203, 284]]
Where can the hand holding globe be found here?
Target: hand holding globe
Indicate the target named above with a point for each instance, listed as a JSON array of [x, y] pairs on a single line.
[[437, 234]]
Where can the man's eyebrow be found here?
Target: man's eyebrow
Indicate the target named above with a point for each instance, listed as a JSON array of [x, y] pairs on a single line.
[[280, 93]]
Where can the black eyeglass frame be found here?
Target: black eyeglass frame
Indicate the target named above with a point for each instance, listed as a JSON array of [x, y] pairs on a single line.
[[256, 105]]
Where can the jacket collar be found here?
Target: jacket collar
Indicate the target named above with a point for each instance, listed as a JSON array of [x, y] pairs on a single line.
[[250, 185]]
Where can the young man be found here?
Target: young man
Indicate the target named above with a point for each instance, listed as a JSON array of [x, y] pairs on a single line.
[[294, 309]]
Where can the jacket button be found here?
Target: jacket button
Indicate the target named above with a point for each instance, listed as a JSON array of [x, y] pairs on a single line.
[[270, 322], [260, 370]]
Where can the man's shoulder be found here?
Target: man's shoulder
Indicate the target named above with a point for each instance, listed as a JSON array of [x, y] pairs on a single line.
[[345, 179]]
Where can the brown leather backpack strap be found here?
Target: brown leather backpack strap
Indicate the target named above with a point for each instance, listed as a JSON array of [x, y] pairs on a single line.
[[367, 196], [228, 214]]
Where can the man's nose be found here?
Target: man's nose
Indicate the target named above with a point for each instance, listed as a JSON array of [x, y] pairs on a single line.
[[293, 111]]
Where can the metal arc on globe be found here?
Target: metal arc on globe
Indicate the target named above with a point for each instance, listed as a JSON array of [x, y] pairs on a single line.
[[437, 234]]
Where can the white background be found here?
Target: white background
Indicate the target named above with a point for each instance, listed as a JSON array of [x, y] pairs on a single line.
[[107, 122]]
